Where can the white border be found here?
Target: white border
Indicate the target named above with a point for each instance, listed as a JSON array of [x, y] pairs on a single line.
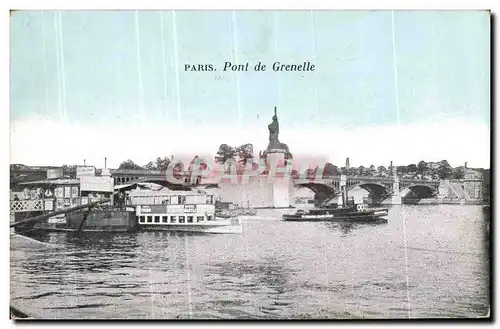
[[184, 4], [256, 4]]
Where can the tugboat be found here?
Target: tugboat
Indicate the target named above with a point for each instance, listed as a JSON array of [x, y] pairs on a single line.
[[357, 213], [352, 211]]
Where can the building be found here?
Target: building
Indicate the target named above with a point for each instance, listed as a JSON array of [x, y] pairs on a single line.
[[473, 188], [57, 192]]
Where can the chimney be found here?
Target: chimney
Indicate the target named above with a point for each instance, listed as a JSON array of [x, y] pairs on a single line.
[[105, 160], [465, 166], [84, 162]]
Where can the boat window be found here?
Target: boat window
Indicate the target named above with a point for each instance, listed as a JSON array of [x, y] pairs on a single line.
[[164, 219], [173, 219], [209, 217], [150, 219], [173, 200], [182, 219], [190, 219], [191, 199], [142, 219], [157, 219], [181, 199], [200, 218]]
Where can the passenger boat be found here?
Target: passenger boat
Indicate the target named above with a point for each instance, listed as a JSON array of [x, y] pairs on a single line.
[[192, 211], [357, 213]]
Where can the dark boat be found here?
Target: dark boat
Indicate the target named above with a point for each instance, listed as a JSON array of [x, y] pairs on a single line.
[[344, 214], [351, 211]]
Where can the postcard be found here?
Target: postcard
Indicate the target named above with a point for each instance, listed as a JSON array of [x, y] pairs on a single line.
[[250, 165]]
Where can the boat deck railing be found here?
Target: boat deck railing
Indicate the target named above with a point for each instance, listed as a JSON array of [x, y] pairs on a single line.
[[31, 205]]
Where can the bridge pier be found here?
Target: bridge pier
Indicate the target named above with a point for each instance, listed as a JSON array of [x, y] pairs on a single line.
[[396, 196], [396, 199], [282, 193]]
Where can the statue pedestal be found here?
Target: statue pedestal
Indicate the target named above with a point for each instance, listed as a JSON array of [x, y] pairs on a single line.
[[280, 180]]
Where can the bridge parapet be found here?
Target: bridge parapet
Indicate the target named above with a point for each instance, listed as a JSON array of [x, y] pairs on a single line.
[[465, 180], [371, 178], [429, 181], [136, 172]]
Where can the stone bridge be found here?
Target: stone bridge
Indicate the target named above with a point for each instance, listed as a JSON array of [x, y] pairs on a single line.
[[379, 188], [390, 189], [125, 176]]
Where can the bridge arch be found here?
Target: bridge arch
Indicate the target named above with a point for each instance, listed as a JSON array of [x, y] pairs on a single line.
[[377, 192], [322, 191], [418, 192], [160, 181]]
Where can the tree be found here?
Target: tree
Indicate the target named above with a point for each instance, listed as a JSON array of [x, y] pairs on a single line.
[[373, 170], [382, 170], [162, 164], [422, 167], [150, 166], [361, 171], [412, 168], [458, 173], [159, 164], [129, 165], [330, 170], [444, 170], [225, 152], [402, 169], [230, 165], [244, 153], [352, 171]]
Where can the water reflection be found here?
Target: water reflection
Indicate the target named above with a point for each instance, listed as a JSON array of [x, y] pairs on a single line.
[[346, 228], [275, 269], [83, 253], [270, 279]]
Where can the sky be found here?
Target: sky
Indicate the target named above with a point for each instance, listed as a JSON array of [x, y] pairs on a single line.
[[399, 86]]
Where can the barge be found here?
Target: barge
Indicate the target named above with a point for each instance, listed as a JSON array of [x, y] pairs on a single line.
[[61, 203]]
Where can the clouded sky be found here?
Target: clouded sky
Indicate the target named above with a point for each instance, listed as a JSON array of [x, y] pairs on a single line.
[[404, 87]]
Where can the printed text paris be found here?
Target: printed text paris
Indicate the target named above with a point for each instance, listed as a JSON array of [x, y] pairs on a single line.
[[305, 66]]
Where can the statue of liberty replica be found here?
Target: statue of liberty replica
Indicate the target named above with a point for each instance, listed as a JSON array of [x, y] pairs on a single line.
[[275, 146], [277, 155]]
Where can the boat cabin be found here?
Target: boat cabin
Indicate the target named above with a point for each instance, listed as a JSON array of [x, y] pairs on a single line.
[[173, 207]]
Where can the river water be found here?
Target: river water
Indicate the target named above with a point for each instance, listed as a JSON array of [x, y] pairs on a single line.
[[436, 265]]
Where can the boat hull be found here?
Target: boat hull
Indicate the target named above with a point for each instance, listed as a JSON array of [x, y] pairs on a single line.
[[98, 220], [199, 228], [369, 216]]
